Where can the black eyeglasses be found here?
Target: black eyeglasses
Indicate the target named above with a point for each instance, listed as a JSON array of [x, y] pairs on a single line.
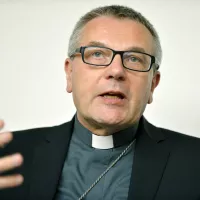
[[103, 56]]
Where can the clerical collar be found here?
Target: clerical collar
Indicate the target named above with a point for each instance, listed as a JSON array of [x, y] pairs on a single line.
[[118, 139]]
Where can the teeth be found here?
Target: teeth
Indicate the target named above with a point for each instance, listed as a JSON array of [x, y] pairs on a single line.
[[112, 96]]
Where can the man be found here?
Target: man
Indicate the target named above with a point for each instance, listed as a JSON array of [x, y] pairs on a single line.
[[108, 150]]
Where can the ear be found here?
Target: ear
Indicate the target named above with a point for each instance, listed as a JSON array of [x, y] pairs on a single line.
[[154, 84], [68, 72]]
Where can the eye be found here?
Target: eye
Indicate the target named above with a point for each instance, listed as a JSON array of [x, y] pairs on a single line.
[[133, 59], [97, 54]]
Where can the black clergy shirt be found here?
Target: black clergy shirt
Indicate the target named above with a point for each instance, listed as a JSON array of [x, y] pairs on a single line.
[[89, 155]]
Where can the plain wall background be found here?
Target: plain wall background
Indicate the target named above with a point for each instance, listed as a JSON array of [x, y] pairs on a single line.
[[33, 46]]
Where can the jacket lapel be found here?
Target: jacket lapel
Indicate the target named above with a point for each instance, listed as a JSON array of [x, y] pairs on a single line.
[[150, 159], [48, 162]]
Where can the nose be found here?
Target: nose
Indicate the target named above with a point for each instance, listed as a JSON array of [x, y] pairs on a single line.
[[116, 70]]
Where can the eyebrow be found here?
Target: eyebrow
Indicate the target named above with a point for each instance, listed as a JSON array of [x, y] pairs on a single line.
[[132, 48]]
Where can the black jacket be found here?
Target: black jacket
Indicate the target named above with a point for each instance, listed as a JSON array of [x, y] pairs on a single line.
[[166, 163]]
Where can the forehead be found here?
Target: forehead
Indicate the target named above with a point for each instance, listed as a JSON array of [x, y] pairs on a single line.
[[119, 34]]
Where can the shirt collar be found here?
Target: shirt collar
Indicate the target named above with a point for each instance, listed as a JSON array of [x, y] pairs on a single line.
[[120, 138]]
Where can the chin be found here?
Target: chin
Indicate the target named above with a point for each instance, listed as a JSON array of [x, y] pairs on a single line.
[[110, 118]]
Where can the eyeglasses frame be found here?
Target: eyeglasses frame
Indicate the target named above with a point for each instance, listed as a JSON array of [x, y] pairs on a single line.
[[82, 49]]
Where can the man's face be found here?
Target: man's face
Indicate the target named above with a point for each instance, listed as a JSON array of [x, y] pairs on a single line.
[[94, 88]]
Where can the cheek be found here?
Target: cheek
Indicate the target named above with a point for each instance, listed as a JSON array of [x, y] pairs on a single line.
[[140, 90], [83, 85]]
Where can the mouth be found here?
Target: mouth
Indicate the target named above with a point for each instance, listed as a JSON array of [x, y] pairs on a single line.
[[113, 95]]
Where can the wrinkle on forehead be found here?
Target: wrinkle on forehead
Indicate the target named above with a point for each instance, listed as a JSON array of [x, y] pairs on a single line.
[[119, 34], [131, 48]]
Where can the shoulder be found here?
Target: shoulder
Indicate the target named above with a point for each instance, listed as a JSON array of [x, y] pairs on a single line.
[[39, 132], [174, 140], [183, 143], [26, 141], [33, 137], [168, 133], [178, 135]]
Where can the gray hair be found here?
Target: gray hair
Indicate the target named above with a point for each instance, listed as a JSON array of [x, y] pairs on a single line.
[[119, 12]]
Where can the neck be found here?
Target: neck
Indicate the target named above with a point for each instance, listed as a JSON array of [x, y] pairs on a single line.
[[119, 138], [102, 129]]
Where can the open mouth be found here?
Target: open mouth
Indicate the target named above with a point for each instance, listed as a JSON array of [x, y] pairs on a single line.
[[113, 95]]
